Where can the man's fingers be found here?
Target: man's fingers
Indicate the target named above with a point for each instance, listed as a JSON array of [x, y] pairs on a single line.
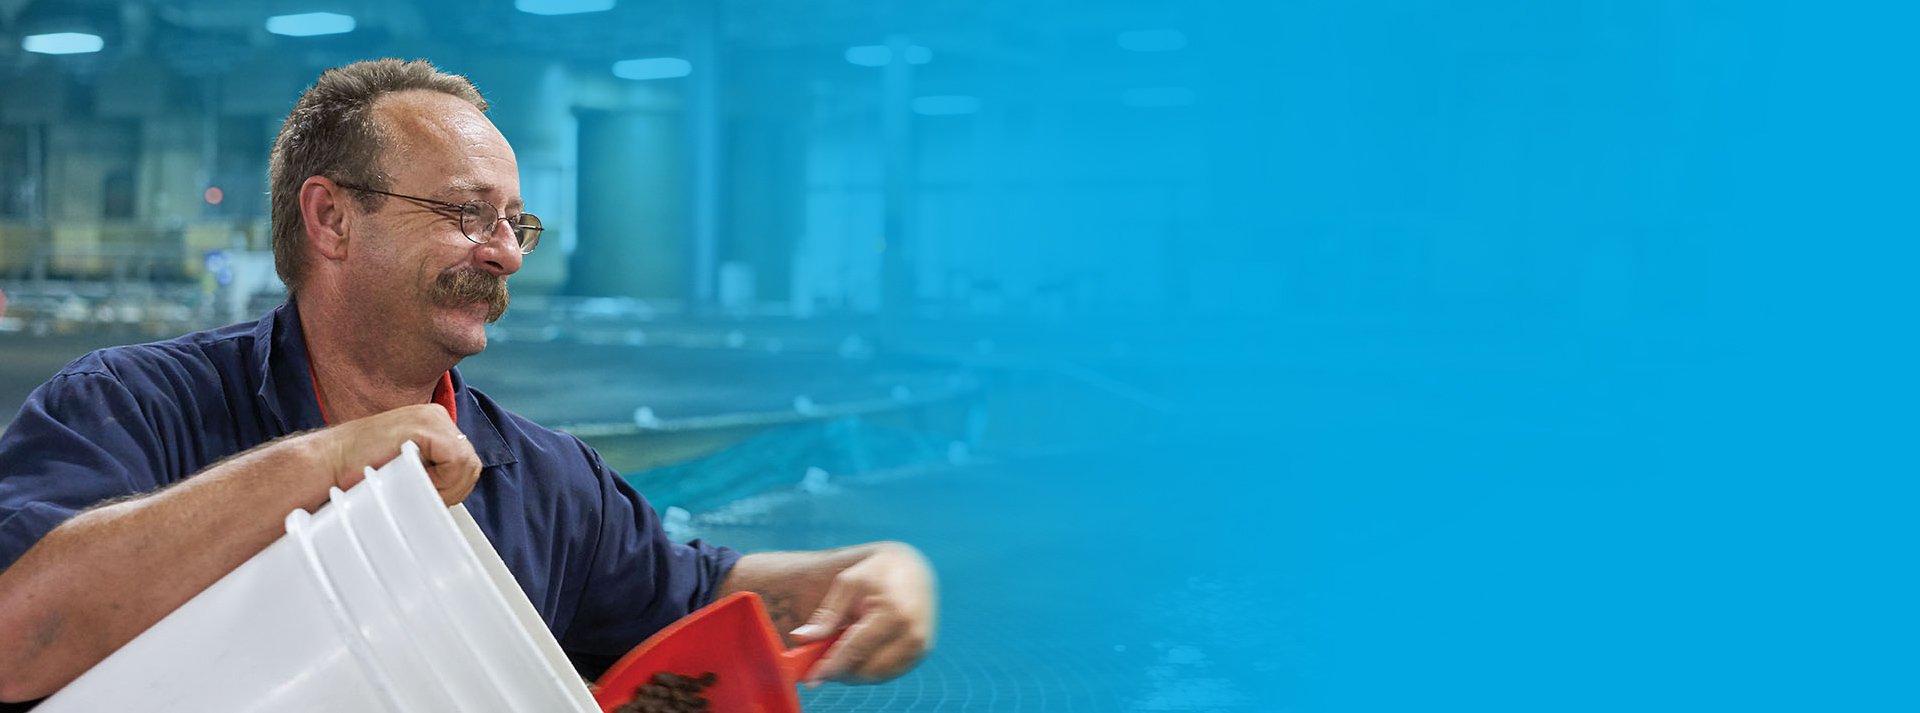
[[891, 660], [449, 458], [856, 648], [452, 464], [452, 453], [851, 646], [834, 610]]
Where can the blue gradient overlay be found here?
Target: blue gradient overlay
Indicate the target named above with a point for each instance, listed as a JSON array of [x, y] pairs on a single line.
[[1588, 362], [1365, 355], [1536, 356]]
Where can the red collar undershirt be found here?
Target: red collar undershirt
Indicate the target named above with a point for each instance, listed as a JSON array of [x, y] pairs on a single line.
[[442, 394]]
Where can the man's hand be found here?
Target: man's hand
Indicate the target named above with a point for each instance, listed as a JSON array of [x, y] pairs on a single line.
[[347, 449], [886, 602]]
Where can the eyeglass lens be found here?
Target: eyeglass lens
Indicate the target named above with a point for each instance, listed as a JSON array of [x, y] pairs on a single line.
[[478, 219]]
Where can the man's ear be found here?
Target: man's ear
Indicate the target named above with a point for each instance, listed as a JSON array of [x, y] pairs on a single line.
[[325, 215]]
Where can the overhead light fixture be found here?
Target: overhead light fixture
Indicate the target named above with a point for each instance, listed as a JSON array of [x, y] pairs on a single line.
[[652, 68], [62, 43], [310, 24], [951, 105], [882, 55], [1152, 40], [561, 7]]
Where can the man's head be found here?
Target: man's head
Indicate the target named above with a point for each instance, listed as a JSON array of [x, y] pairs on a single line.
[[363, 173], [331, 132]]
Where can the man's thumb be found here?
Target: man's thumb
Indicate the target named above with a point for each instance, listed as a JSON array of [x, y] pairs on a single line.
[[829, 616]]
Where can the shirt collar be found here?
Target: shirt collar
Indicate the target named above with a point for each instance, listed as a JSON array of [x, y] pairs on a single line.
[[286, 387], [281, 366], [482, 432]]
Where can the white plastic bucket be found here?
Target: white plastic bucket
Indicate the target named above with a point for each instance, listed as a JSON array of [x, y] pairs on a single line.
[[383, 601], [399, 649], [510, 649]]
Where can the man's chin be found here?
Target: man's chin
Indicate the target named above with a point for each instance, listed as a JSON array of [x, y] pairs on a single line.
[[467, 345], [463, 330]]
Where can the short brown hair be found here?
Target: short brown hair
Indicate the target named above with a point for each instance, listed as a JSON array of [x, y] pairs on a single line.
[[331, 132]]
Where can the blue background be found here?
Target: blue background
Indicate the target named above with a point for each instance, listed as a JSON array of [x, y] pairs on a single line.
[[1478, 356]]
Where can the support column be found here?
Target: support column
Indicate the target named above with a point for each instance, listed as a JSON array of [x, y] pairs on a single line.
[[706, 127], [632, 206], [896, 268]]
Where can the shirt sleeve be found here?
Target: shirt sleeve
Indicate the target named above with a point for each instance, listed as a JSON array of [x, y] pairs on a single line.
[[639, 580], [80, 439]]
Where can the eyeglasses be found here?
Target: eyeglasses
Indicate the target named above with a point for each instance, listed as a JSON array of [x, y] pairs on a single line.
[[477, 218]]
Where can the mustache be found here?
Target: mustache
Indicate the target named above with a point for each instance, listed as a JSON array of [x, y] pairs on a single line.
[[467, 286]]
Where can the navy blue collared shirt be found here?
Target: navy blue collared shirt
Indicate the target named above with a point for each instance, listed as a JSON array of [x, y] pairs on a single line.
[[588, 550]]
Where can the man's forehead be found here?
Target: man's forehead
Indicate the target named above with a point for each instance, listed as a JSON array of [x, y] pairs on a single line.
[[463, 188], [416, 116], [447, 138]]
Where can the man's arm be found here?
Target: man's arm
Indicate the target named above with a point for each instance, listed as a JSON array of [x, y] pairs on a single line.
[[882, 593], [104, 576]]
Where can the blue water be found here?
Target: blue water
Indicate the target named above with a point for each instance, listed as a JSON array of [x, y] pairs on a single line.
[[1060, 595]]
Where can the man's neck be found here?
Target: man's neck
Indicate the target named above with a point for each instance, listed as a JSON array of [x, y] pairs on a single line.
[[356, 376]]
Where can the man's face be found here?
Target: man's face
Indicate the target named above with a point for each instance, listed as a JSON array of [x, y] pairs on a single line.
[[412, 268]]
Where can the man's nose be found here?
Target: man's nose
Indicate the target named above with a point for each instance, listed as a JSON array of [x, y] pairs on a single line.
[[501, 252]]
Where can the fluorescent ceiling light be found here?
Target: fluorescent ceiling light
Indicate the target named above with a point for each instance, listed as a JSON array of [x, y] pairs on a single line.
[[1157, 97], [309, 24], [62, 43], [870, 55], [653, 68], [945, 105], [882, 55], [561, 7], [1153, 40]]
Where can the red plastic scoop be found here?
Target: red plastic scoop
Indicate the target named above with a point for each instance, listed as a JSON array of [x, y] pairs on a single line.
[[734, 639]]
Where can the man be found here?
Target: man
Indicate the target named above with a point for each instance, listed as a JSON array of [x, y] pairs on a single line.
[[139, 475]]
